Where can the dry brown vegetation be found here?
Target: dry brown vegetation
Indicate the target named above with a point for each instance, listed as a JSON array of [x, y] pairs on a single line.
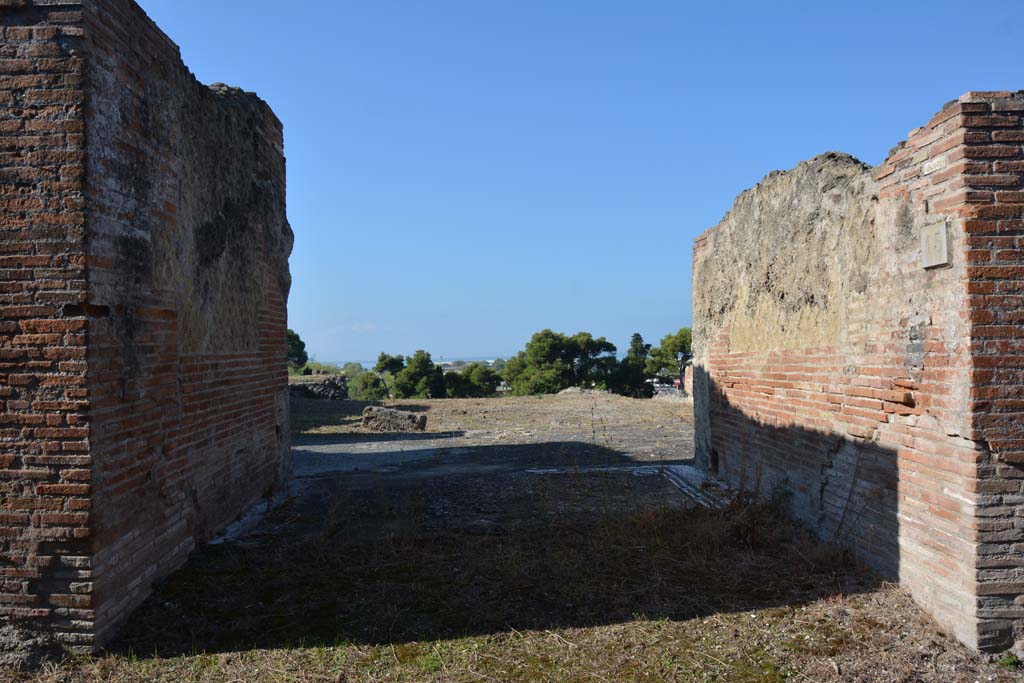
[[467, 567]]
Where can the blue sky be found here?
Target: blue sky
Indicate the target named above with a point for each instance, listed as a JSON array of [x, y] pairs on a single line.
[[463, 173]]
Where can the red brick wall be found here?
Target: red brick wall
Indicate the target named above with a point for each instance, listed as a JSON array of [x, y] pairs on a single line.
[[188, 247], [45, 459], [143, 282], [937, 471], [879, 435], [993, 213]]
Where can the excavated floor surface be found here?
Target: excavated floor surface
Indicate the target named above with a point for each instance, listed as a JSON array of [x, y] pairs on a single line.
[[519, 539]]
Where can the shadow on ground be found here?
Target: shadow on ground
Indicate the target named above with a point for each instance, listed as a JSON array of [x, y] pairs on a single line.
[[371, 437], [479, 545]]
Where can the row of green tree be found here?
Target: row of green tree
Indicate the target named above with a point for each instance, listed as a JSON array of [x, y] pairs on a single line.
[[417, 376], [553, 361]]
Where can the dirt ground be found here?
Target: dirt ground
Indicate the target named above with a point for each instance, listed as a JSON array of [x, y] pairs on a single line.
[[520, 539]]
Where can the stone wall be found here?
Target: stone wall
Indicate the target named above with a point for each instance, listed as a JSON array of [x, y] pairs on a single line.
[[858, 355], [145, 311]]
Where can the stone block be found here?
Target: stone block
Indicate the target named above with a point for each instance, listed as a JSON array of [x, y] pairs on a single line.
[[391, 420]]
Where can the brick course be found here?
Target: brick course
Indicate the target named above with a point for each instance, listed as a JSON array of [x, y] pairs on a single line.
[[891, 422], [143, 288]]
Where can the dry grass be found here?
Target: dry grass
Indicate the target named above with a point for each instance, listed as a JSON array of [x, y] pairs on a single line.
[[381, 586], [552, 601], [736, 595]]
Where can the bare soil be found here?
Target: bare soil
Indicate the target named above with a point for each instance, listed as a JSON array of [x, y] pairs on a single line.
[[519, 539]]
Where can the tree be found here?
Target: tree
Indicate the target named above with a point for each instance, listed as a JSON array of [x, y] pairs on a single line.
[[498, 365], [638, 350], [420, 378], [592, 359], [353, 370], [538, 380], [456, 385], [553, 361], [543, 367], [389, 364], [514, 368], [671, 355], [297, 356], [367, 386], [475, 380], [629, 380], [483, 380]]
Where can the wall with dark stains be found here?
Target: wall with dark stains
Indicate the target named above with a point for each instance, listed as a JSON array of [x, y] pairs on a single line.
[[188, 251], [839, 367], [145, 313]]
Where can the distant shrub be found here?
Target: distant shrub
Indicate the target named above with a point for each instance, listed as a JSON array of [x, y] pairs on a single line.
[[353, 370], [367, 387], [318, 368]]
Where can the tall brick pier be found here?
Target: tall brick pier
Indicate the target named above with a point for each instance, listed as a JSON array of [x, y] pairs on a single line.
[[859, 356], [143, 285]]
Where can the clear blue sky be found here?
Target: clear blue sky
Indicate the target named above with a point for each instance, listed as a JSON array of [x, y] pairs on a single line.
[[462, 173]]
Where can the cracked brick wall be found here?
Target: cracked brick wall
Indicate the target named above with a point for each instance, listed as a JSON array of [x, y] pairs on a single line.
[[144, 281], [872, 389]]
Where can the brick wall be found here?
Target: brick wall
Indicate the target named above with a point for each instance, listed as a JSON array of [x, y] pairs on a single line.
[[45, 458], [857, 385], [147, 363], [993, 218]]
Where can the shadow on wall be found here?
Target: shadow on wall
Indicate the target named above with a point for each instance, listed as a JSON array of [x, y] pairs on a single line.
[[843, 488], [397, 559]]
